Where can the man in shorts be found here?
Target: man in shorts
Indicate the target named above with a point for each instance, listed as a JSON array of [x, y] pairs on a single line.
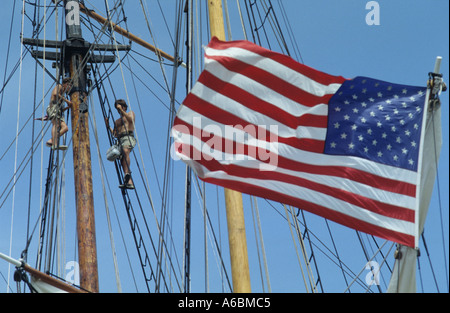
[[124, 131], [55, 111]]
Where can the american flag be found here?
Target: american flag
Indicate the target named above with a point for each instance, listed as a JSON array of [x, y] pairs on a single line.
[[261, 123]]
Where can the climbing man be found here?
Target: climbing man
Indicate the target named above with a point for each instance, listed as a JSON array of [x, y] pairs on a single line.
[[55, 113], [124, 131]]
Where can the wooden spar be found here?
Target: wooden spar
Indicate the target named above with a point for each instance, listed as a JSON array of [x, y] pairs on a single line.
[[51, 280], [125, 33], [41, 276], [87, 250], [233, 199]]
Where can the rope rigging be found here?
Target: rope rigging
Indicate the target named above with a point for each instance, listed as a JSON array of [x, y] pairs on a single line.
[[139, 240], [110, 139], [127, 203], [138, 236], [158, 259]]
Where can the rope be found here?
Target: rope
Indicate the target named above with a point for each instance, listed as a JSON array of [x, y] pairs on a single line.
[[130, 212], [242, 20], [168, 163], [378, 272], [205, 238], [324, 249], [103, 171], [297, 52], [211, 228], [108, 218], [296, 249], [17, 144], [306, 235], [257, 245], [188, 179], [227, 20], [364, 268], [18, 172], [337, 253], [304, 253], [128, 203], [7, 54], [429, 260], [133, 217], [361, 242], [257, 224]]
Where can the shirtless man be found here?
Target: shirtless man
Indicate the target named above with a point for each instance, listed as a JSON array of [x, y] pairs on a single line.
[[55, 112], [124, 131]]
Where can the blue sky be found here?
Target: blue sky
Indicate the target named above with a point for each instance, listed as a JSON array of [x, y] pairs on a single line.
[[332, 36]]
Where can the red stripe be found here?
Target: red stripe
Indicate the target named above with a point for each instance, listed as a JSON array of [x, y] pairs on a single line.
[[375, 206], [258, 105], [317, 209], [226, 118], [271, 81], [318, 76], [372, 180]]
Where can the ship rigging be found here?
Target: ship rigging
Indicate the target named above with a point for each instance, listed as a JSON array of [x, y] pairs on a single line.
[[107, 60]]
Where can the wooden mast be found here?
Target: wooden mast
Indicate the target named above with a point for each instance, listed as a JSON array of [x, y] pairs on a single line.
[[233, 199], [75, 53]]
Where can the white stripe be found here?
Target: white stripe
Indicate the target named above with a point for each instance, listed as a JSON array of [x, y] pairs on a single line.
[[313, 197], [262, 92], [267, 64], [220, 154], [253, 117], [318, 159]]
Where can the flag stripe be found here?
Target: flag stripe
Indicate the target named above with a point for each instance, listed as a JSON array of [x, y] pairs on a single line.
[[225, 118], [270, 56], [342, 212], [362, 177], [266, 93], [313, 207], [258, 105], [271, 81], [378, 207], [223, 103], [387, 175]]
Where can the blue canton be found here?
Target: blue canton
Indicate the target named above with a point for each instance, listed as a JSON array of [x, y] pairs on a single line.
[[376, 120]]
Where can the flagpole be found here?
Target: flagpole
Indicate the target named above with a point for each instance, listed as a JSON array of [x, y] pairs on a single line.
[[233, 199]]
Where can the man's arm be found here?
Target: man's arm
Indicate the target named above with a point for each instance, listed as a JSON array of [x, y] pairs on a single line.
[[113, 131], [129, 116], [69, 104], [55, 93]]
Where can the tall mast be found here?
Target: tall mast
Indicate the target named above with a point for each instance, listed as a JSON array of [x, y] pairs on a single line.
[[75, 54], [233, 199]]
